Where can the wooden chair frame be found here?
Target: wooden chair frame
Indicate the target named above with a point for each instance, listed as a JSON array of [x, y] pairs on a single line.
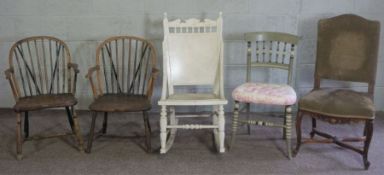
[[188, 31], [261, 39], [36, 82], [334, 119], [134, 87]]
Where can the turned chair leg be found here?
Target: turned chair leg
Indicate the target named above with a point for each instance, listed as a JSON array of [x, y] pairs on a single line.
[[288, 129], [105, 123], [76, 130], [19, 140], [147, 132], [248, 113], [299, 119], [369, 131], [163, 129], [26, 124], [234, 124], [91, 131]]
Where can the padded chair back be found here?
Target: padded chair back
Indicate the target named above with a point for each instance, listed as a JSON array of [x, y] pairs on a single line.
[[347, 49], [193, 52], [272, 50], [40, 66], [125, 65]]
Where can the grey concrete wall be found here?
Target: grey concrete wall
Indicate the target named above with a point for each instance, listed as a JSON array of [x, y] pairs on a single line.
[[84, 23]]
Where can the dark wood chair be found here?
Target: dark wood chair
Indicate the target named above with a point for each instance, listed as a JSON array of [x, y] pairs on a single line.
[[125, 73], [42, 76], [347, 49]]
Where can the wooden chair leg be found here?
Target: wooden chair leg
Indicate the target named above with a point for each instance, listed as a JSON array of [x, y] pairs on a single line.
[[147, 132], [76, 130], [312, 134], [234, 124], [105, 123], [285, 123], [299, 119], [163, 129], [288, 128], [221, 122], [248, 111], [26, 124], [369, 132], [91, 131], [70, 118], [19, 141]]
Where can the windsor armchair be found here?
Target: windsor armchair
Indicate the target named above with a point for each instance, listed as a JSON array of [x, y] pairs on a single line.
[[347, 49], [125, 73], [42, 76], [192, 56], [268, 50]]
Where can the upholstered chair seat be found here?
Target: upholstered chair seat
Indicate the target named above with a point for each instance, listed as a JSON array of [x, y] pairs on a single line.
[[262, 93], [339, 103]]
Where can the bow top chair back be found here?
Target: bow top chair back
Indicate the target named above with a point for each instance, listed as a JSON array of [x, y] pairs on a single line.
[[270, 50], [347, 50], [125, 73], [42, 75], [192, 56]]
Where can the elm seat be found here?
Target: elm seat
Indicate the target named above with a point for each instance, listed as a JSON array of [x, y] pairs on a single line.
[[262, 93], [339, 103], [120, 103], [31, 103]]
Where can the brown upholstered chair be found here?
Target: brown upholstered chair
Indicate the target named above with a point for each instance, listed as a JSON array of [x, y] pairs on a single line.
[[347, 50], [42, 76], [125, 72]]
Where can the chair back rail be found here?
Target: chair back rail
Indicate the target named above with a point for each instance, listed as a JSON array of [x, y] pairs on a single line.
[[272, 50], [40, 66], [125, 65], [193, 53]]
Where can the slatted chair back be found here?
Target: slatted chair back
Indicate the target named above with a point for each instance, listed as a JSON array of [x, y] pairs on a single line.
[[192, 52], [40, 65], [125, 64], [347, 49], [272, 50]]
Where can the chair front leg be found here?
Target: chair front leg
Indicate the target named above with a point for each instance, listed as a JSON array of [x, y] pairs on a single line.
[[26, 124], [221, 123], [91, 131], [163, 129], [299, 119], [288, 129], [234, 123], [369, 131], [147, 131], [19, 141], [76, 130]]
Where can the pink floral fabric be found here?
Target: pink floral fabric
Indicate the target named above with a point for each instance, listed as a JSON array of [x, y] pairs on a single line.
[[261, 93]]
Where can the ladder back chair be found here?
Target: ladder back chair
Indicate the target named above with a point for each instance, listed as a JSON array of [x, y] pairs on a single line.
[[192, 56], [42, 76], [122, 81], [267, 50], [347, 49]]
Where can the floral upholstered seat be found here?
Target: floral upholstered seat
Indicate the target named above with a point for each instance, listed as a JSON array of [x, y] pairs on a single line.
[[262, 93]]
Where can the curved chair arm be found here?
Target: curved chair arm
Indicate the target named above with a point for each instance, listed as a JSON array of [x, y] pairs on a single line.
[[9, 76], [155, 72], [89, 75], [76, 70]]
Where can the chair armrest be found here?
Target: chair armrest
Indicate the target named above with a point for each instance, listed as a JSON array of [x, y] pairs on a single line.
[[74, 66], [8, 73], [91, 71]]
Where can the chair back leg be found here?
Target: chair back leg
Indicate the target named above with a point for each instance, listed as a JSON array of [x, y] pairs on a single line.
[[19, 141], [91, 132], [76, 130]]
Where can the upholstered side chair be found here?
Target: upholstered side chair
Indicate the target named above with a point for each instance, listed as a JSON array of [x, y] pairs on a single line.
[[271, 50], [347, 48]]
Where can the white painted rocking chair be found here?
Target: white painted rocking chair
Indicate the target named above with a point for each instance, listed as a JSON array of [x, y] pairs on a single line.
[[192, 56]]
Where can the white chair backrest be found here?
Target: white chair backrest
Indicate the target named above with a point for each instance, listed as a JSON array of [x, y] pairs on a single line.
[[192, 52]]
